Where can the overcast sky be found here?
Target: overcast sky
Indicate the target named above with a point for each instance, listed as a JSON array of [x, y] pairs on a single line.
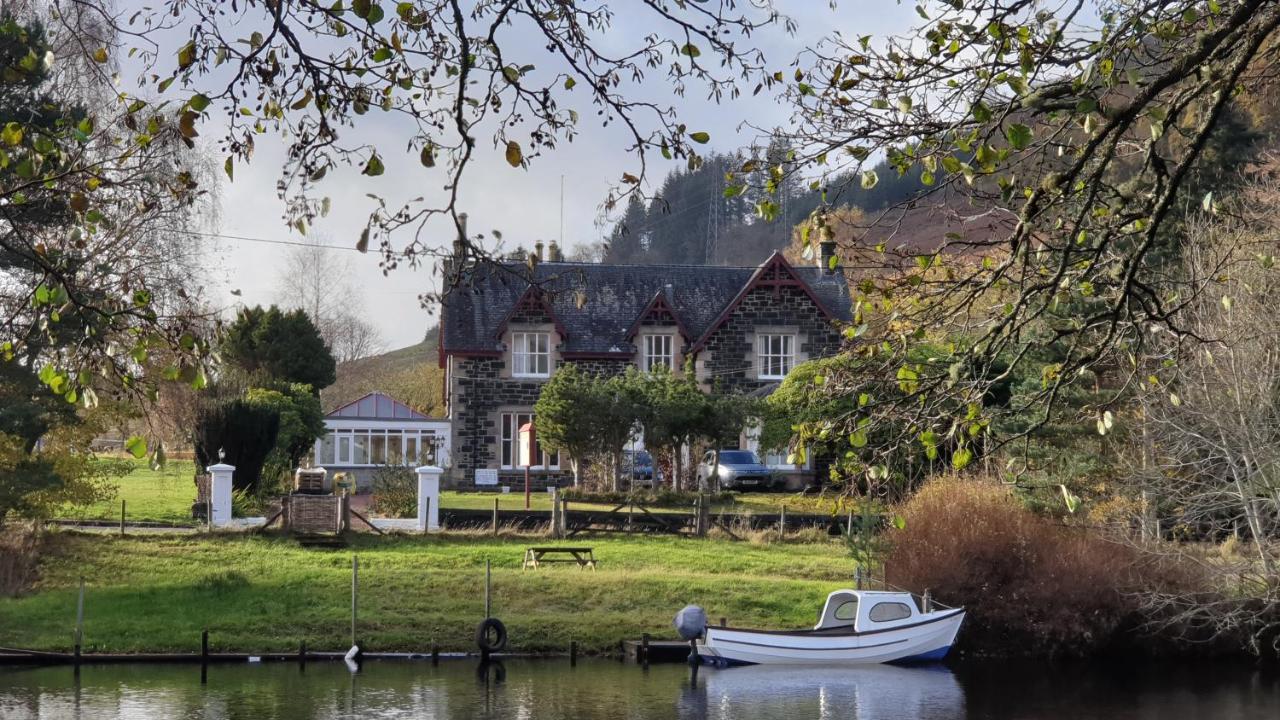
[[523, 203]]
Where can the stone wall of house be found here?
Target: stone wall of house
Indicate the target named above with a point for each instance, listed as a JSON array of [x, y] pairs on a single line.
[[725, 357], [604, 368], [479, 391]]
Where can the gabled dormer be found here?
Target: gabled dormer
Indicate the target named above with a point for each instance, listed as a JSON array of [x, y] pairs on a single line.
[[659, 335], [530, 335]]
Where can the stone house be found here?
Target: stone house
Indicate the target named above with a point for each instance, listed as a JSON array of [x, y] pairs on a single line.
[[504, 331]]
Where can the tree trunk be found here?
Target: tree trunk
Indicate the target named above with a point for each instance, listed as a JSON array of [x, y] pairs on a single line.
[[1255, 524], [713, 480], [577, 469], [677, 483]]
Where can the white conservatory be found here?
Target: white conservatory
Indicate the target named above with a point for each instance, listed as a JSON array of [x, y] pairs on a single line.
[[378, 430]]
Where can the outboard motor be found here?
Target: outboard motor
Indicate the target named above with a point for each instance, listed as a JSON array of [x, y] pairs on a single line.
[[691, 622]]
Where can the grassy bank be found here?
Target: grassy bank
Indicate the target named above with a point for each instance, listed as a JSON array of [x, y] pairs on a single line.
[[266, 594]]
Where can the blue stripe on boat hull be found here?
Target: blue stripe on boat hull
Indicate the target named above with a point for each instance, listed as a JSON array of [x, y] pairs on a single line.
[[931, 656]]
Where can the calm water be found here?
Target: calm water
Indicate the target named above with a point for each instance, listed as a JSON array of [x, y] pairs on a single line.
[[596, 690]]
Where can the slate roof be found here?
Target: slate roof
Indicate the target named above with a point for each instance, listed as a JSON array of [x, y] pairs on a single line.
[[473, 313]]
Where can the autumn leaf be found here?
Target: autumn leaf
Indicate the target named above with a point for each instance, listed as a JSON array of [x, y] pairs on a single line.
[[514, 155]]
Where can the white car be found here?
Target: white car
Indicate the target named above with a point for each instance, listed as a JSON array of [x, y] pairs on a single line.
[[738, 470]]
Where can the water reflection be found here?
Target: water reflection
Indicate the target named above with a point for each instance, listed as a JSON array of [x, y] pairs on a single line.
[[862, 693], [605, 690]]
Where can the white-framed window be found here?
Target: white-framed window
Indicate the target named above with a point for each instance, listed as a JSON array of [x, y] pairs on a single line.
[[511, 423], [530, 354], [658, 352], [376, 447], [775, 355]]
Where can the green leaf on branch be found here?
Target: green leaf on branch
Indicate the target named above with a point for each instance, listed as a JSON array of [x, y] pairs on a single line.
[[136, 446], [374, 167], [700, 137], [1019, 136], [187, 55]]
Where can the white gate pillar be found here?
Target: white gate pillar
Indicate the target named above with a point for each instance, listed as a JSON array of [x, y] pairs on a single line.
[[220, 494], [429, 498]]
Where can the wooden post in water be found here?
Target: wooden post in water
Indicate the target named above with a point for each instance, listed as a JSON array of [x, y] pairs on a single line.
[[355, 589], [302, 655], [724, 622], [644, 649], [204, 656], [79, 620], [573, 653], [122, 516], [435, 654], [495, 516], [782, 523]]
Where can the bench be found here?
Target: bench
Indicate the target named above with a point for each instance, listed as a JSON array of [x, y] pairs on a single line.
[[536, 556]]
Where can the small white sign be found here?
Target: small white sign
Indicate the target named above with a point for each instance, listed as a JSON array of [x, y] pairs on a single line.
[[486, 477], [506, 489]]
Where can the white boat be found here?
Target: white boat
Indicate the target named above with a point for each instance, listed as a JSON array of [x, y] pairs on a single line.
[[856, 627]]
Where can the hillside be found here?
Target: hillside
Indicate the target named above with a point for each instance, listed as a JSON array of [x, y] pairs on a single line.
[[411, 375]]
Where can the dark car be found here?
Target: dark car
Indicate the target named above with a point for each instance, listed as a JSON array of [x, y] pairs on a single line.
[[739, 470], [637, 466]]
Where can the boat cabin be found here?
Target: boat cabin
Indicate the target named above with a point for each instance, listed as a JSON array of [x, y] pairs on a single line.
[[865, 610]]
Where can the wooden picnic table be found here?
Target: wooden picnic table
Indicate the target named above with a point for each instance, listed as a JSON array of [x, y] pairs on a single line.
[[536, 556]]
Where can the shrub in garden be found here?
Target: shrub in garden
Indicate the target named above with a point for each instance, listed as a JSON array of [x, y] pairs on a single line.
[[395, 491]]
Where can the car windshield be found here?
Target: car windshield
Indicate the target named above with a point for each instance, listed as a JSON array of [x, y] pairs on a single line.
[[737, 457]]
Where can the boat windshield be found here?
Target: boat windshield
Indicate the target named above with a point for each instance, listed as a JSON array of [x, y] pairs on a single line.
[[840, 611]]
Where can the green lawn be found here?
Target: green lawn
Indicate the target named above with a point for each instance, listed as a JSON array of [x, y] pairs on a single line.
[[163, 495], [264, 593]]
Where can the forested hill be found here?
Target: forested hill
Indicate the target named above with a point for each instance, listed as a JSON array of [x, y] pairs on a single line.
[[691, 222], [411, 375]]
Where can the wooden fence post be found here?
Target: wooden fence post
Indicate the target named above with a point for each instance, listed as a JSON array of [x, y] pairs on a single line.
[[355, 587], [122, 516], [495, 516], [79, 620], [782, 523]]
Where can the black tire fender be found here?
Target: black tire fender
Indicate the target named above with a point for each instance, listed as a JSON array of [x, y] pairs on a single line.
[[499, 640]]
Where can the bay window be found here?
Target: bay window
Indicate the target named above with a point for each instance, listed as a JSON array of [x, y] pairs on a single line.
[[511, 424]]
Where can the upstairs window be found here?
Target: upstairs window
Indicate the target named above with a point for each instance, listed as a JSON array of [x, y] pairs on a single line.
[[530, 354], [776, 355], [658, 352]]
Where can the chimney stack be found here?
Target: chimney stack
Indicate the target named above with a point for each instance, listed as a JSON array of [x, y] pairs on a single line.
[[537, 250], [454, 262], [554, 254], [827, 251]]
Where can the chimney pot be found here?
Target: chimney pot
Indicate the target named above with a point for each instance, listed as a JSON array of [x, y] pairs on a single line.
[[537, 249]]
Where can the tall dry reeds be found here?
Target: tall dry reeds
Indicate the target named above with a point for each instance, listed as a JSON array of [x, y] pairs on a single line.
[[1031, 585]]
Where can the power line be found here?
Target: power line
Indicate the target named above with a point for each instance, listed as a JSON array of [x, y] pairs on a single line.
[[268, 241]]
